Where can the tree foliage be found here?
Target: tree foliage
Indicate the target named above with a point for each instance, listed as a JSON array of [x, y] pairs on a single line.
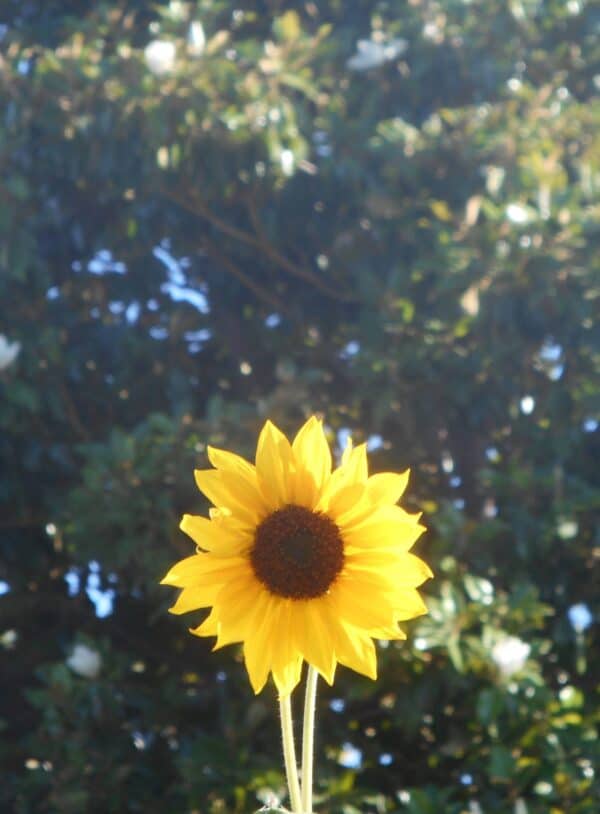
[[383, 212]]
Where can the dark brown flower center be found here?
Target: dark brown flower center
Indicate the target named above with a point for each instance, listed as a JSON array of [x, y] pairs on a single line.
[[297, 553]]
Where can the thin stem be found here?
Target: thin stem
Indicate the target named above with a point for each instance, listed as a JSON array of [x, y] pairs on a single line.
[[289, 752], [308, 739]]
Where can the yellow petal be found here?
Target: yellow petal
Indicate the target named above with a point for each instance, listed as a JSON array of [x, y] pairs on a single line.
[[406, 570], [398, 533], [304, 490], [311, 452], [365, 513], [355, 649], [287, 662], [339, 481], [241, 476], [391, 633], [258, 648], [408, 605], [209, 626], [230, 524], [356, 463], [361, 512], [222, 459], [387, 487], [274, 465], [193, 570], [227, 491], [360, 603], [212, 536], [381, 583], [312, 630], [182, 573], [412, 571], [346, 499], [287, 676], [347, 451], [237, 600], [379, 513], [194, 598]]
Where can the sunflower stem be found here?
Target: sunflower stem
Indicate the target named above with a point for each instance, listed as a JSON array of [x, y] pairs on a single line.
[[308, 739], [289, 753]]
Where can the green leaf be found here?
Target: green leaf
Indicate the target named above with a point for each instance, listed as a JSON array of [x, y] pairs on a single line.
[[288, 26]]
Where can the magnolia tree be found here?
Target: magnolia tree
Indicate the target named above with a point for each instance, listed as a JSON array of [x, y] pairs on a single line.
[[384, 215]]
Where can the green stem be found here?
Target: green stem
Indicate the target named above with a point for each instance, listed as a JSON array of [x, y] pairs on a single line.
[[308, 739], [289, 753]]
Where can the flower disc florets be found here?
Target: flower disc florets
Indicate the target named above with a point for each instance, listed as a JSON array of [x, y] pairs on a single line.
[[297, 553]]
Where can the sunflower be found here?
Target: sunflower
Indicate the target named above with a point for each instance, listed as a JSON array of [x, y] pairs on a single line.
[[300, 562]]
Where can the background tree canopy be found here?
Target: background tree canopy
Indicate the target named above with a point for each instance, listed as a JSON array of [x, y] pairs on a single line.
[[385, 213]]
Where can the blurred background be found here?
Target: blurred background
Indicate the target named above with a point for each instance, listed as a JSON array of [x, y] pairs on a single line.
[[213, 213]]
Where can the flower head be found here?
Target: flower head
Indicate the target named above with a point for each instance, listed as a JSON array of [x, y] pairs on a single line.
[[510, 654], [196, 39], [371, 54], [84, 661], [580, 617], [299, 562], [160, 56], [8, 352]]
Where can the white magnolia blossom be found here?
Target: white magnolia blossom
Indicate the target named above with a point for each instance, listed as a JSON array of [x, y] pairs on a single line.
[[517, 213], [350, 757], [176, 9], [580, 617], [160, 56], [567, 528], [288, 161], [196, 39], [372, 54], [9, 639], [8, 352], [510, 654], [84, 661]]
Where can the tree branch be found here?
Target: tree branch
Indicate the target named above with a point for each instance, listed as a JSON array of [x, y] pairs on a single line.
[[224, 261], [257, 241]]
